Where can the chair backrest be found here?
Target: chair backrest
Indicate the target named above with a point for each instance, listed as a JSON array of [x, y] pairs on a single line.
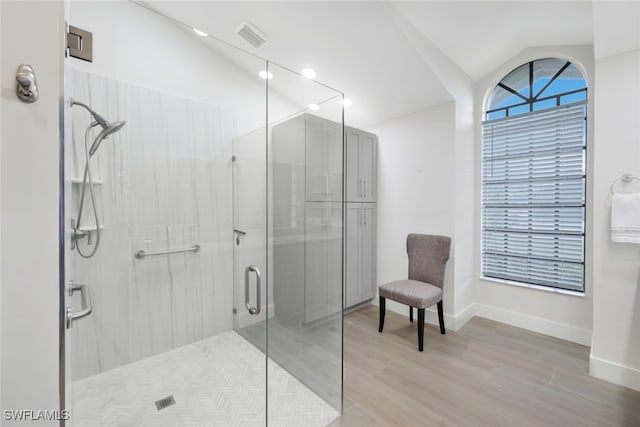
[[428, 257]]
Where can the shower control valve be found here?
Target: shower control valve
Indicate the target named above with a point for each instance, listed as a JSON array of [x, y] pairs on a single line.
[[77, 234]]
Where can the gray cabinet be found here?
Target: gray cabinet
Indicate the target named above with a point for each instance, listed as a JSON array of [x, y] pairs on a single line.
[[307, 164], [323, 142], [308, 218], [360, 253], [360, 226], [323, 255], [361, 161]]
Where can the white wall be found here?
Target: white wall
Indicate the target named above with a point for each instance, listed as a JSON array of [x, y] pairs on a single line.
[[157, 54], [134, 45], [615, 351], [0, 214], [564, 316], [32, 32], [459, 295], [464, 211], [162, 186], [415, 191]]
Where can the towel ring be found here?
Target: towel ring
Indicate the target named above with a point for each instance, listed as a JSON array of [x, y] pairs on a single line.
[[626, 178]]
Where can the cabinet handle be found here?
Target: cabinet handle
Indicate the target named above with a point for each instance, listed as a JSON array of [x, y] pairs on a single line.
[[364, 211], [326, 184], [365, 195], [360, 216]]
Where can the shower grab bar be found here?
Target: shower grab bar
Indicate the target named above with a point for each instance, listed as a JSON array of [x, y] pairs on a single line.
[[247, 271], [143, 254], [85, 300]]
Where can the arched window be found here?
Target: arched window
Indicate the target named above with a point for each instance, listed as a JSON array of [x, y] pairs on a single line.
[[534, 176]]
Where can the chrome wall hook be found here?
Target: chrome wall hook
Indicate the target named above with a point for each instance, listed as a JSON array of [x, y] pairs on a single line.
[[26, 84]]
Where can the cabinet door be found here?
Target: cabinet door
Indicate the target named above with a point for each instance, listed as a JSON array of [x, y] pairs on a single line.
[[317, 175], [367, 163], [352, 292], [315, 286], [361, 165], [323, 277], [332, 241], [368, 252], [354, 187], [334, 153]]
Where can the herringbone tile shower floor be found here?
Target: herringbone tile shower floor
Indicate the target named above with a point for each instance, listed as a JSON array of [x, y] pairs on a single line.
[[218, 381]]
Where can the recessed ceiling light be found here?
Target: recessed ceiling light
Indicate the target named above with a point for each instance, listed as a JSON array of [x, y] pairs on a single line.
[[266, 74], [313, 107], [346, 103], [200, 32], [308, 73]]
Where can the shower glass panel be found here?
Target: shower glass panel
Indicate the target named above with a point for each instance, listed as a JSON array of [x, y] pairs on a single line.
[[303, 298], [204, 274], [306, 229], [159, 346]]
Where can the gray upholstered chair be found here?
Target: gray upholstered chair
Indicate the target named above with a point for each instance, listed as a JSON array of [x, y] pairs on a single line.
[[428, 257]]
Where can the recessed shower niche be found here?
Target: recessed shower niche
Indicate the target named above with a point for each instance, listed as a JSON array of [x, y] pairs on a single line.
[[87, 219]]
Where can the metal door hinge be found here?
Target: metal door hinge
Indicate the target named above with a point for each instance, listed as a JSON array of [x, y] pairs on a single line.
[[80, 43]]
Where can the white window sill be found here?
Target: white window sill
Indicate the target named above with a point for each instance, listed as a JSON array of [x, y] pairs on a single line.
[[536, 287]]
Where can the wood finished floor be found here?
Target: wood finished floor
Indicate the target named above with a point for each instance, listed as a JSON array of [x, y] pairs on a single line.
[[486, 374]]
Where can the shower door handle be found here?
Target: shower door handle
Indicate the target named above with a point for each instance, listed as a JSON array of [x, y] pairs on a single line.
[[85, 298], [247, 273]]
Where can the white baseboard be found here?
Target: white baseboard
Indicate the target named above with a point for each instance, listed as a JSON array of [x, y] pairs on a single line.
[[524, 321], [614, 372], [464, 316], [535, 324], [451, 322], [246, 319]]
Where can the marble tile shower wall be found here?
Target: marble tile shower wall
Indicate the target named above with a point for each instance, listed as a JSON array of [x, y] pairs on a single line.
[[166, 184]]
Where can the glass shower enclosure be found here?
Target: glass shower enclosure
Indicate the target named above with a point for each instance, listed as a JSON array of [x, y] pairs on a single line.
[[203, 205]]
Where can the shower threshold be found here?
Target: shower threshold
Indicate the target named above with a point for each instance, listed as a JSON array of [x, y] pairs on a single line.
[[219, 381]]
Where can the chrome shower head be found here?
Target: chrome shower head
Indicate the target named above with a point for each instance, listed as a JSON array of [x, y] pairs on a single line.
[[97, 117], [110, 129]]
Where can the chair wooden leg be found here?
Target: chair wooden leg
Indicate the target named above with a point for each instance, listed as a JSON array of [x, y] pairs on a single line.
[[382, 310], [410, 314], [420, 329], [441, 317]]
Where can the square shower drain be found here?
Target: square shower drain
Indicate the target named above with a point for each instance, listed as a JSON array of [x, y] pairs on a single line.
[[165, 402]]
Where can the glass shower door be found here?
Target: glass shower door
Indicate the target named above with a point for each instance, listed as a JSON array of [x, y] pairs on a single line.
[[216, 290], [250, 281]]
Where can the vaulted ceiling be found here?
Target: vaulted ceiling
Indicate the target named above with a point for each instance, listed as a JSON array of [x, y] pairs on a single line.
[[361, 48]]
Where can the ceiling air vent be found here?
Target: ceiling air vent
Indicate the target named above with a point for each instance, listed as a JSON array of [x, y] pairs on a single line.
[[252, 34]]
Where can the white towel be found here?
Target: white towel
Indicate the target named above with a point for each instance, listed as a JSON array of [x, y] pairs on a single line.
[[625, 218]]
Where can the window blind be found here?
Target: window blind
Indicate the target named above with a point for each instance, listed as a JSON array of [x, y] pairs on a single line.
[[533, 197]]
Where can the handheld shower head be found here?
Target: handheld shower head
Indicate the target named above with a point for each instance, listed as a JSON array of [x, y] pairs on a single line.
[[97, 117], [110, 129]]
